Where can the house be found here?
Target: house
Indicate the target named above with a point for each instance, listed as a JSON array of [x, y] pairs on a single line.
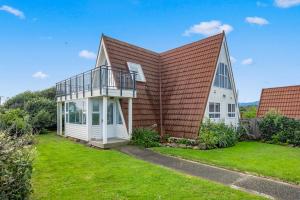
[[285, 100], [130, 87]]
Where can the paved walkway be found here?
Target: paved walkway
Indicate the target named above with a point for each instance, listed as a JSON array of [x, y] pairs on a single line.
[[269, 188]]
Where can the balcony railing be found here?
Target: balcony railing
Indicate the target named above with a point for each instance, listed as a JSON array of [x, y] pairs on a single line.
[[102, 79]]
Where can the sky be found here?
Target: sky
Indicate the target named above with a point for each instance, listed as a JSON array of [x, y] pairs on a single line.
[[45, 41]]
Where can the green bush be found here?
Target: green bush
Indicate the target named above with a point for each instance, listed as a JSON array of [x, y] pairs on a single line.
[[42, 113], [15, 122], [16, 155], [145, 137], [278, 129], [40, 103], [217, 135]]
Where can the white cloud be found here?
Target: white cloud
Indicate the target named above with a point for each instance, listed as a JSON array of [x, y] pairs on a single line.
[[287, 3], [233, 59], [247, 61], [87, 54], [39, 75], [257, 20], [208, 28], [13, 11]]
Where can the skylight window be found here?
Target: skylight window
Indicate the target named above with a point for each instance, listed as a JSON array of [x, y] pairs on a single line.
[[138, 69]]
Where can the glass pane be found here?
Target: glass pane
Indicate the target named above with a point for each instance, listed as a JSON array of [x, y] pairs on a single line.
[[217, 81], [211, 107], [83, 118], [67, 118], [217, 115], [110, 113], [96, 107], [229, 107], [217, 107], [211, 116], [119, 118], [95, 119], [233, 107]]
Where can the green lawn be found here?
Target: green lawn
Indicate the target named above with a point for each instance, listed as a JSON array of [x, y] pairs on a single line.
[[68, 170], [276, 161]]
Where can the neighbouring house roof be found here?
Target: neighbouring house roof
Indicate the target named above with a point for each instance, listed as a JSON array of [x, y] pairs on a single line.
[[285, 100], [185, 75]]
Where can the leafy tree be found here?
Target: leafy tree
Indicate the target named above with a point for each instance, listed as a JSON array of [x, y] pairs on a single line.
[[248, 112]]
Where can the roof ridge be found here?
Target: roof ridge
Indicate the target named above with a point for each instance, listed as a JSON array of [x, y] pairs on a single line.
[[281, 87], [159, 53], [133, 45], [201, 40]]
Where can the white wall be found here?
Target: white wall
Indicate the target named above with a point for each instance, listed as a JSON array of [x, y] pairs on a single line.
[[222, 95]]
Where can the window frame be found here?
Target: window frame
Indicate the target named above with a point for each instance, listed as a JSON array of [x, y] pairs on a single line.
[[215, 113], [96, 112], [139, 71], [79, 114], [222, 77], [231, 108]]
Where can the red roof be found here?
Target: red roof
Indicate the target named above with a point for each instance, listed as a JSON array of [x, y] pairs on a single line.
[[186, 75], [285, 100]]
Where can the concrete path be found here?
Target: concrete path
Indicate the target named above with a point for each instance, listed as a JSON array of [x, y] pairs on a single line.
[[266, 187]]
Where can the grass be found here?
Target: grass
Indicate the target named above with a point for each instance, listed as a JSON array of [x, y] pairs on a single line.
[[68, 170], [280, 162]]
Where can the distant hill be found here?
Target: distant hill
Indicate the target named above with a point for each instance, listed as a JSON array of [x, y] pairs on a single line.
[[244, 104]]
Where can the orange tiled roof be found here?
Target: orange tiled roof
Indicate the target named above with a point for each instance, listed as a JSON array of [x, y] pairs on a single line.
[[285, 100], [186, 75]]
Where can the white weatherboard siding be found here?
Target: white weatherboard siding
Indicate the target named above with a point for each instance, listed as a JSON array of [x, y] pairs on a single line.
[[222, 95]]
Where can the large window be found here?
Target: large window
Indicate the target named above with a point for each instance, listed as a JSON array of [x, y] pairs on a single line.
[[222, 79], [95, 112], [138, 69], [231, 110], [214, 110], [76, 112]]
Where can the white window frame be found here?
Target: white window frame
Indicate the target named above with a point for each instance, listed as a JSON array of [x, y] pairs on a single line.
[[223, 75], [96, 112], [231, 110], [215, 113], [134, 67]]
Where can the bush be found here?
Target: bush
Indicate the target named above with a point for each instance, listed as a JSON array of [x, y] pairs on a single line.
[[145, 137], [16, 155], [42, 113], [15, 122], [217, 135], [278, 129]]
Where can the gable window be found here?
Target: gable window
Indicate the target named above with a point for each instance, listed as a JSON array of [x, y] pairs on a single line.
[[214, 110], [231, 110], [222, 79], [95, 112], [139, 71]]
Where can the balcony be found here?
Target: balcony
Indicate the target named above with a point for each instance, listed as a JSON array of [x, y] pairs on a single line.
[[100, 81]]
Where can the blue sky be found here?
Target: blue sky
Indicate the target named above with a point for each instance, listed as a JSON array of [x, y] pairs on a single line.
[[45, 41]]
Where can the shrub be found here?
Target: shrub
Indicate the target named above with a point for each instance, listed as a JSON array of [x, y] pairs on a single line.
[[217, 135], [15, 122], [42, 113], [145, 137], [276, 128], [16, 155]]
